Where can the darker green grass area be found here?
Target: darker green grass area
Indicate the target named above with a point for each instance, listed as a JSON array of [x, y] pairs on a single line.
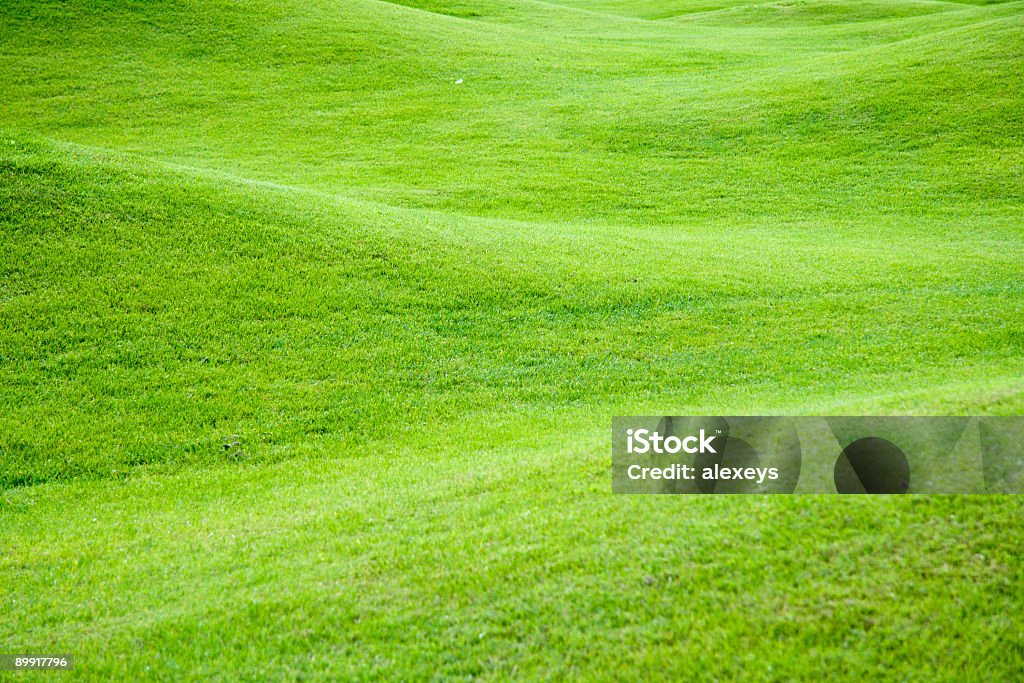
[[155, 319]]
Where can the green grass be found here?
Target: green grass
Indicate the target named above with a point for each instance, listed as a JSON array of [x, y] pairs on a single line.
[[310, 352]]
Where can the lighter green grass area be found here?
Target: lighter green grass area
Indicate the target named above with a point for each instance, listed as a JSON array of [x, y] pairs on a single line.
[[314, 316]]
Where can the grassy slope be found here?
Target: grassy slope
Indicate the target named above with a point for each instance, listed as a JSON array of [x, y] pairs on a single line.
[[153, 317], [235, 360], [619, 121]]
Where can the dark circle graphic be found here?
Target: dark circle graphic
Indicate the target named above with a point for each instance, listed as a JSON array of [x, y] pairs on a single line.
[[872, 465]]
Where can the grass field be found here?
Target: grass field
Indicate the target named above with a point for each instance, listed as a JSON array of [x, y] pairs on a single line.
[[314, 316]]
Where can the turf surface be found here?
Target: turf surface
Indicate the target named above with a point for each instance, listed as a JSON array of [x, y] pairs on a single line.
[[313, 318]]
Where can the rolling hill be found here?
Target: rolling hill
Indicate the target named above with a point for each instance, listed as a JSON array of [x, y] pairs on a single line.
[[314, 316]]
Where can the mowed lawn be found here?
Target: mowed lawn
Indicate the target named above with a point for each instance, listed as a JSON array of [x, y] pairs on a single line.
[[314, 317]]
